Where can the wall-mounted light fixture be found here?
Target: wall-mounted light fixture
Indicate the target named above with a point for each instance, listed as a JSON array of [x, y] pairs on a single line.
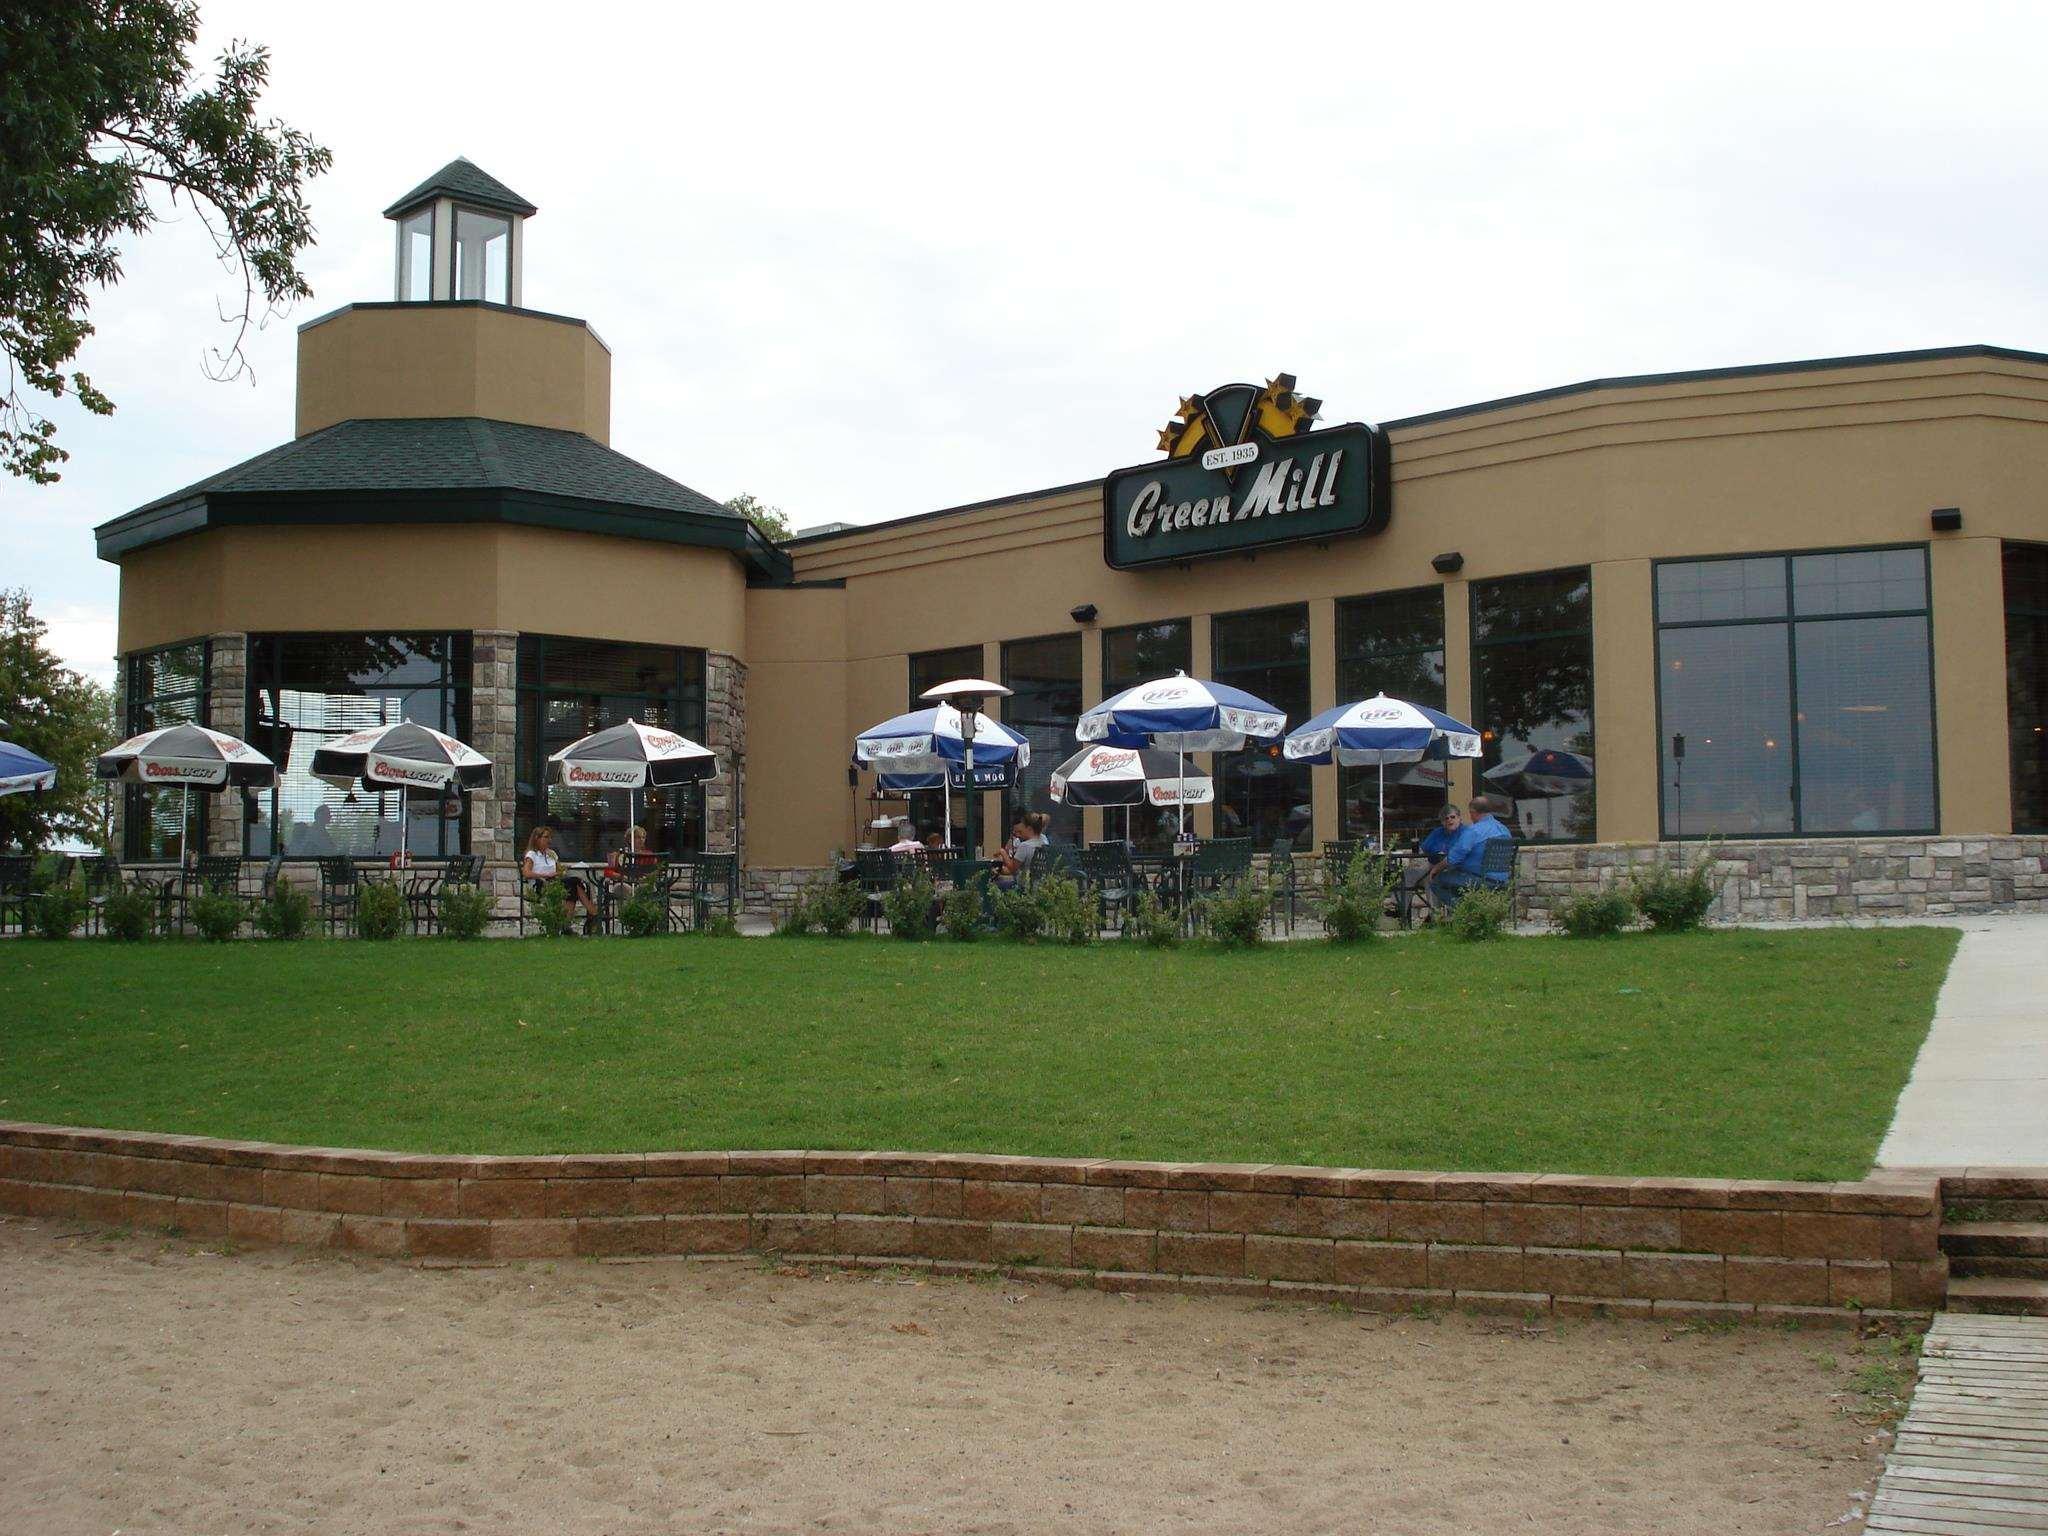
[[1947, 519], [1448, 564], [1082, 614]]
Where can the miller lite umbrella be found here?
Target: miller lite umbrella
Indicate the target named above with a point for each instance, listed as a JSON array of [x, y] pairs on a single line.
[[934, 741], [1379, 731], [22, 772], [191, 757], [401, 756], [1184, 713], [1545, 774], [632, 757]]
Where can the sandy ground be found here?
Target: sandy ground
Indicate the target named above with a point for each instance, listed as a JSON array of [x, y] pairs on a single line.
[[147, 1385]]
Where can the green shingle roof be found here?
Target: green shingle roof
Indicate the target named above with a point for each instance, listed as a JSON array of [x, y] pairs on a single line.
[[466, 182], [444, 453]]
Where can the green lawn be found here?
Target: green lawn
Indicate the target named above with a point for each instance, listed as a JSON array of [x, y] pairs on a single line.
[[1766, 1054]]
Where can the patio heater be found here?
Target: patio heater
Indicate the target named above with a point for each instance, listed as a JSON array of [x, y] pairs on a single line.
[[968, 695]]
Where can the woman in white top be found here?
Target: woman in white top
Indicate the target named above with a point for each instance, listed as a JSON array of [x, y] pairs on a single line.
[[541, 865]]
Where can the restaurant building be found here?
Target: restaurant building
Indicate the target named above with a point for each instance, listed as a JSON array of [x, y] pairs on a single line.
[[1829, 578]]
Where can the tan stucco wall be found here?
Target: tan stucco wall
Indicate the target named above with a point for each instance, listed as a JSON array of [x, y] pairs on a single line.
[[396, 577], [455, 360]]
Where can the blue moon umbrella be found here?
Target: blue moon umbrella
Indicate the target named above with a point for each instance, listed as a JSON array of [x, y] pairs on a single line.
[[1544, 774], [22, 772]]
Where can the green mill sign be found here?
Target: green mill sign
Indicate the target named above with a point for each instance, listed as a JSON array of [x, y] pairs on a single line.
[[1245, 469]]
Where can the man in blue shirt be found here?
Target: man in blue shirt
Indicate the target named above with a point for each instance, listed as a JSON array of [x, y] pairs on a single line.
[[1434, 848], [1462, 864]]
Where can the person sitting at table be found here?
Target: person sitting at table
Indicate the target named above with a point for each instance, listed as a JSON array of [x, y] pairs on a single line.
[[1467, 856], [1433, 850], [635, 855], [906, 839], [1027, 836], [540, 865]]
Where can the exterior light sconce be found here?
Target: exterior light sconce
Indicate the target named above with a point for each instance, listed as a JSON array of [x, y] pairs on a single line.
[[1947, 519], [1083, 613], [1448, 564]]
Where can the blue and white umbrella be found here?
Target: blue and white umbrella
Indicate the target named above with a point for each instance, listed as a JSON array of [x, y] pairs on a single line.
[[912, 751], [1379, 731], [22, 772], [1545, 774], [1182, 714]]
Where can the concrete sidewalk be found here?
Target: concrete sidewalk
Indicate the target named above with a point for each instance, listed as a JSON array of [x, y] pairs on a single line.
[[1979, 1090]]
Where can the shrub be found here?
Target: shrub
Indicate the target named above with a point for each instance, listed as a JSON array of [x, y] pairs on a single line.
[[1020, 915], [1152, 924], [57, 913], [960, 913], [836, 908], [1237, 914], [1360, 899], [641, 916], [720, 926], [1481, 912], [550, 910], [908, 906], [380, 910], [219, 915], [286, 913], [128, 916], [1070, 913], [466, 911], [797, 918], [1597, 914], [1673, 895]]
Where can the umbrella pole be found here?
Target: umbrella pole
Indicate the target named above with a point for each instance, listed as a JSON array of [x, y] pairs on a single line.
[[1383, 805], [184, 821]]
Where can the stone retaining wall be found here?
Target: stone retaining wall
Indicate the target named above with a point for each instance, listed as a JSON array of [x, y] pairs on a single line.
[[1377, 1240], [1816, 878]]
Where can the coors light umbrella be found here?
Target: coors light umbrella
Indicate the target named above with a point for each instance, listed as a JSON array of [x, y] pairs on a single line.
[[1185, 714], [1380, 730], [402, 756], [632, 757], [22, 772], [1110, 775], [191, 757]]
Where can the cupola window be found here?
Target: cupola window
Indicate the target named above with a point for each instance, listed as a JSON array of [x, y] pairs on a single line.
[[460, 235]]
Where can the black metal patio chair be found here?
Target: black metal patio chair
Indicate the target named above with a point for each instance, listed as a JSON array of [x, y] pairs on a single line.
[[875, 869], [340, 884]]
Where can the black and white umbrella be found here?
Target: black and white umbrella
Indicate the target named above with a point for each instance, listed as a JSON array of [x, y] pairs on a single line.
[[631, 757], [189, 757], [402, 756], [1106, 775]]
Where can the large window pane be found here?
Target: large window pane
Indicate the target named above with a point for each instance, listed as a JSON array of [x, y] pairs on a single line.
[[2026, 681], [1392, 643], [570, 687], [1695, 590], [165, 687], [1044, 676], [1532, 687], [1259, 794], [483, 256], [1859, 581], [1866, 727], [308, 690], [1134, 654], [1728, 691]]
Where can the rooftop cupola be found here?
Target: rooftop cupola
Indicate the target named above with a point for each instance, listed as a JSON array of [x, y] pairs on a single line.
[[460, 237]]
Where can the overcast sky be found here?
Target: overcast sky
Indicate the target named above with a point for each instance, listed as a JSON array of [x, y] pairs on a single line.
[[870, 261]]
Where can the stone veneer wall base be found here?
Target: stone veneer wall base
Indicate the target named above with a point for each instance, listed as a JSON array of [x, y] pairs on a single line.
[[1559, 1243]]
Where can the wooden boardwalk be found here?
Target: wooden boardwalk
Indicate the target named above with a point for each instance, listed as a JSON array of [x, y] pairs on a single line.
[[1972, 1455]]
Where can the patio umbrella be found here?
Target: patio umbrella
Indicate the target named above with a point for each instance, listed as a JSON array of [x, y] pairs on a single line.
[[1185, 714], [402, 756], [1379, 731], [933, 741], [1128, 776], [22, 772], [1544, 774], [986, 776], [191, 757], [631, 757]]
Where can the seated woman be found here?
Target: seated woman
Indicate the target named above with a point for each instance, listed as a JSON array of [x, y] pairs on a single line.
[[1027, 836], [540, 865]]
